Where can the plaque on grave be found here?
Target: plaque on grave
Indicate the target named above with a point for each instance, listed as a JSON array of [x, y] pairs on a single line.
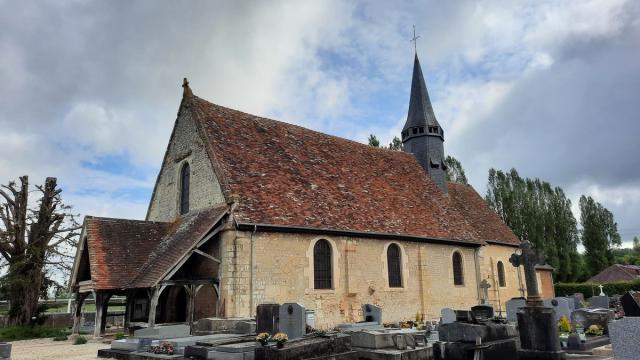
[[267, 318], [600, 302], [631, 303], [292, 320], [372, 313]]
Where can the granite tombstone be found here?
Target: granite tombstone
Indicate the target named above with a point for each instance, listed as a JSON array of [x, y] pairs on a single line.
[[292, 320]]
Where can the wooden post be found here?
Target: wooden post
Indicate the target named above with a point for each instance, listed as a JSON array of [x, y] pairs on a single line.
[[77, 311], [102, 306], [155, 295], [128, 309], [190, 304]]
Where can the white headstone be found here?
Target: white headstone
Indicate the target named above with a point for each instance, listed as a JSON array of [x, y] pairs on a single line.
[[372, 313], [292, 320], [447, 316]]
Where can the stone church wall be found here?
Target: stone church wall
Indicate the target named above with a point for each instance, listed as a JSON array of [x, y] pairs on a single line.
[[185, 145], [284, 273], [514, 277]]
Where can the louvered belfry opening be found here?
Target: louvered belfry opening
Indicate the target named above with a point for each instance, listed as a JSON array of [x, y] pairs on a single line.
[[394, 266], [185, 177], [322, 265], [501, 280], [458, 276]]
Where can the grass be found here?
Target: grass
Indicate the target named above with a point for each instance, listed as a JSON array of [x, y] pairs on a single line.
[[14, 333], [80, 340]]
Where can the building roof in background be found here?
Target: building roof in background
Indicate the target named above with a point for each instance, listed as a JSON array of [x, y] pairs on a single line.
[[616, 272]]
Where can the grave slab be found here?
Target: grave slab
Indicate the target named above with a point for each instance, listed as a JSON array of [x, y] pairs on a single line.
[[587, 317], [163, 332], [5, 350], [218, 325], [420, 353]]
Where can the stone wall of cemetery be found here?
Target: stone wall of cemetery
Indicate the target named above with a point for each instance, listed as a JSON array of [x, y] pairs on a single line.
[[489, 257], [184, 146], [284, 273]]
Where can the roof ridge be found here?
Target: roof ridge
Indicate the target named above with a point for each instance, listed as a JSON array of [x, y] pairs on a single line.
[[107, 218], [285, 123]]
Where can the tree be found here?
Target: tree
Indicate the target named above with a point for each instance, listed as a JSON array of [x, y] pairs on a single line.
[[599, 234], [540, 213], [636, 245], [455, 171], [395, 144], [373, 141], [33, 241]]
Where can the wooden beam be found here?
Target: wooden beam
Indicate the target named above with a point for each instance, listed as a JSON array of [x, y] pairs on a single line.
[[190, 282], [210, 257]]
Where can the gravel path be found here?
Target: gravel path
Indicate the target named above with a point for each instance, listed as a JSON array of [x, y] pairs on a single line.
[[47, 349]]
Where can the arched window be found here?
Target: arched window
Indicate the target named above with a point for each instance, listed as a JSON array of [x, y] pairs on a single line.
[[394, 266], [322, 277], [458, 271], [185, 175], [501, 280]]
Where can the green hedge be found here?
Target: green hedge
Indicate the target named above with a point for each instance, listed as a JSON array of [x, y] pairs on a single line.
[[616, 288]]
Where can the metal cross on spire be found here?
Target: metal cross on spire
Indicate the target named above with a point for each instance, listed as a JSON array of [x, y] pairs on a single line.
[[415, 40]]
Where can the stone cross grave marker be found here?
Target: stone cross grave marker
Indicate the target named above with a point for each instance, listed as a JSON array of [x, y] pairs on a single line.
[[292, 320], [528, 258], [484, 285], [601, 292]]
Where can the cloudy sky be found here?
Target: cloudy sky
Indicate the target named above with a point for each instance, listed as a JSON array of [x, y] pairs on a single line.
[[89, 90]]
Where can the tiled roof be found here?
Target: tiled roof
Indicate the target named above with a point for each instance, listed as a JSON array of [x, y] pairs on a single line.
[[117, 248], [131, 253], [616, 272], [189, 230], [488, 225], [291, 176]]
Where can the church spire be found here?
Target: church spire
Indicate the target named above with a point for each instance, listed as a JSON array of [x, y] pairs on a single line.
[[422, 134], [420, 109]]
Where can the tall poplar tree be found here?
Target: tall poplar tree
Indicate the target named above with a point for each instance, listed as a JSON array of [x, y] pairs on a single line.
[[599, 234]]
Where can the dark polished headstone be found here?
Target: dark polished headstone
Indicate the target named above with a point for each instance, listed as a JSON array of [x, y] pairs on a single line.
[[538, 334], [482, 312], [267, 318], [630, 303]]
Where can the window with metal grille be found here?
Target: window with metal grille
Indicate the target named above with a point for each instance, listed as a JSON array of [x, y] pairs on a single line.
[[322, 265], [501, 281], [394, 266], [458, 272], [185, 175]]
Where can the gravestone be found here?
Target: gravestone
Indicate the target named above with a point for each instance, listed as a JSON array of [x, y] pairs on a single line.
[[513, 305], [164, 332], [484, 286], [447, 316], [481, 313], [624, 335], [630, 303], [561, 307], [537, 324], [5, 350], [372, 313], [267, 318], [578, 299], [588, 317], [600, 302], [292, 320]]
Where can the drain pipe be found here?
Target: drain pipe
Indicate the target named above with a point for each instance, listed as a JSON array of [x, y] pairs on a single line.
[[253, 269]]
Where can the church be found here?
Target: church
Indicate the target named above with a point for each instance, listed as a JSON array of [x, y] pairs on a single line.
[[247, 210]]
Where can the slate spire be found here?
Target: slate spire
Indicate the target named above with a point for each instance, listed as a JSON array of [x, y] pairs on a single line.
[[422, 134], [420, 109]]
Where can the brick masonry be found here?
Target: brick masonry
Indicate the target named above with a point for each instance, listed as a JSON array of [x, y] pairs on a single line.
[[204, 191]]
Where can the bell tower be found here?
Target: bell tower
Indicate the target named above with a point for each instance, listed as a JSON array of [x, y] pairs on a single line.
[[422, 134]]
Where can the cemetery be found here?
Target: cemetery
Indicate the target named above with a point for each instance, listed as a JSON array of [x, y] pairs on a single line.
[[600, 327]]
